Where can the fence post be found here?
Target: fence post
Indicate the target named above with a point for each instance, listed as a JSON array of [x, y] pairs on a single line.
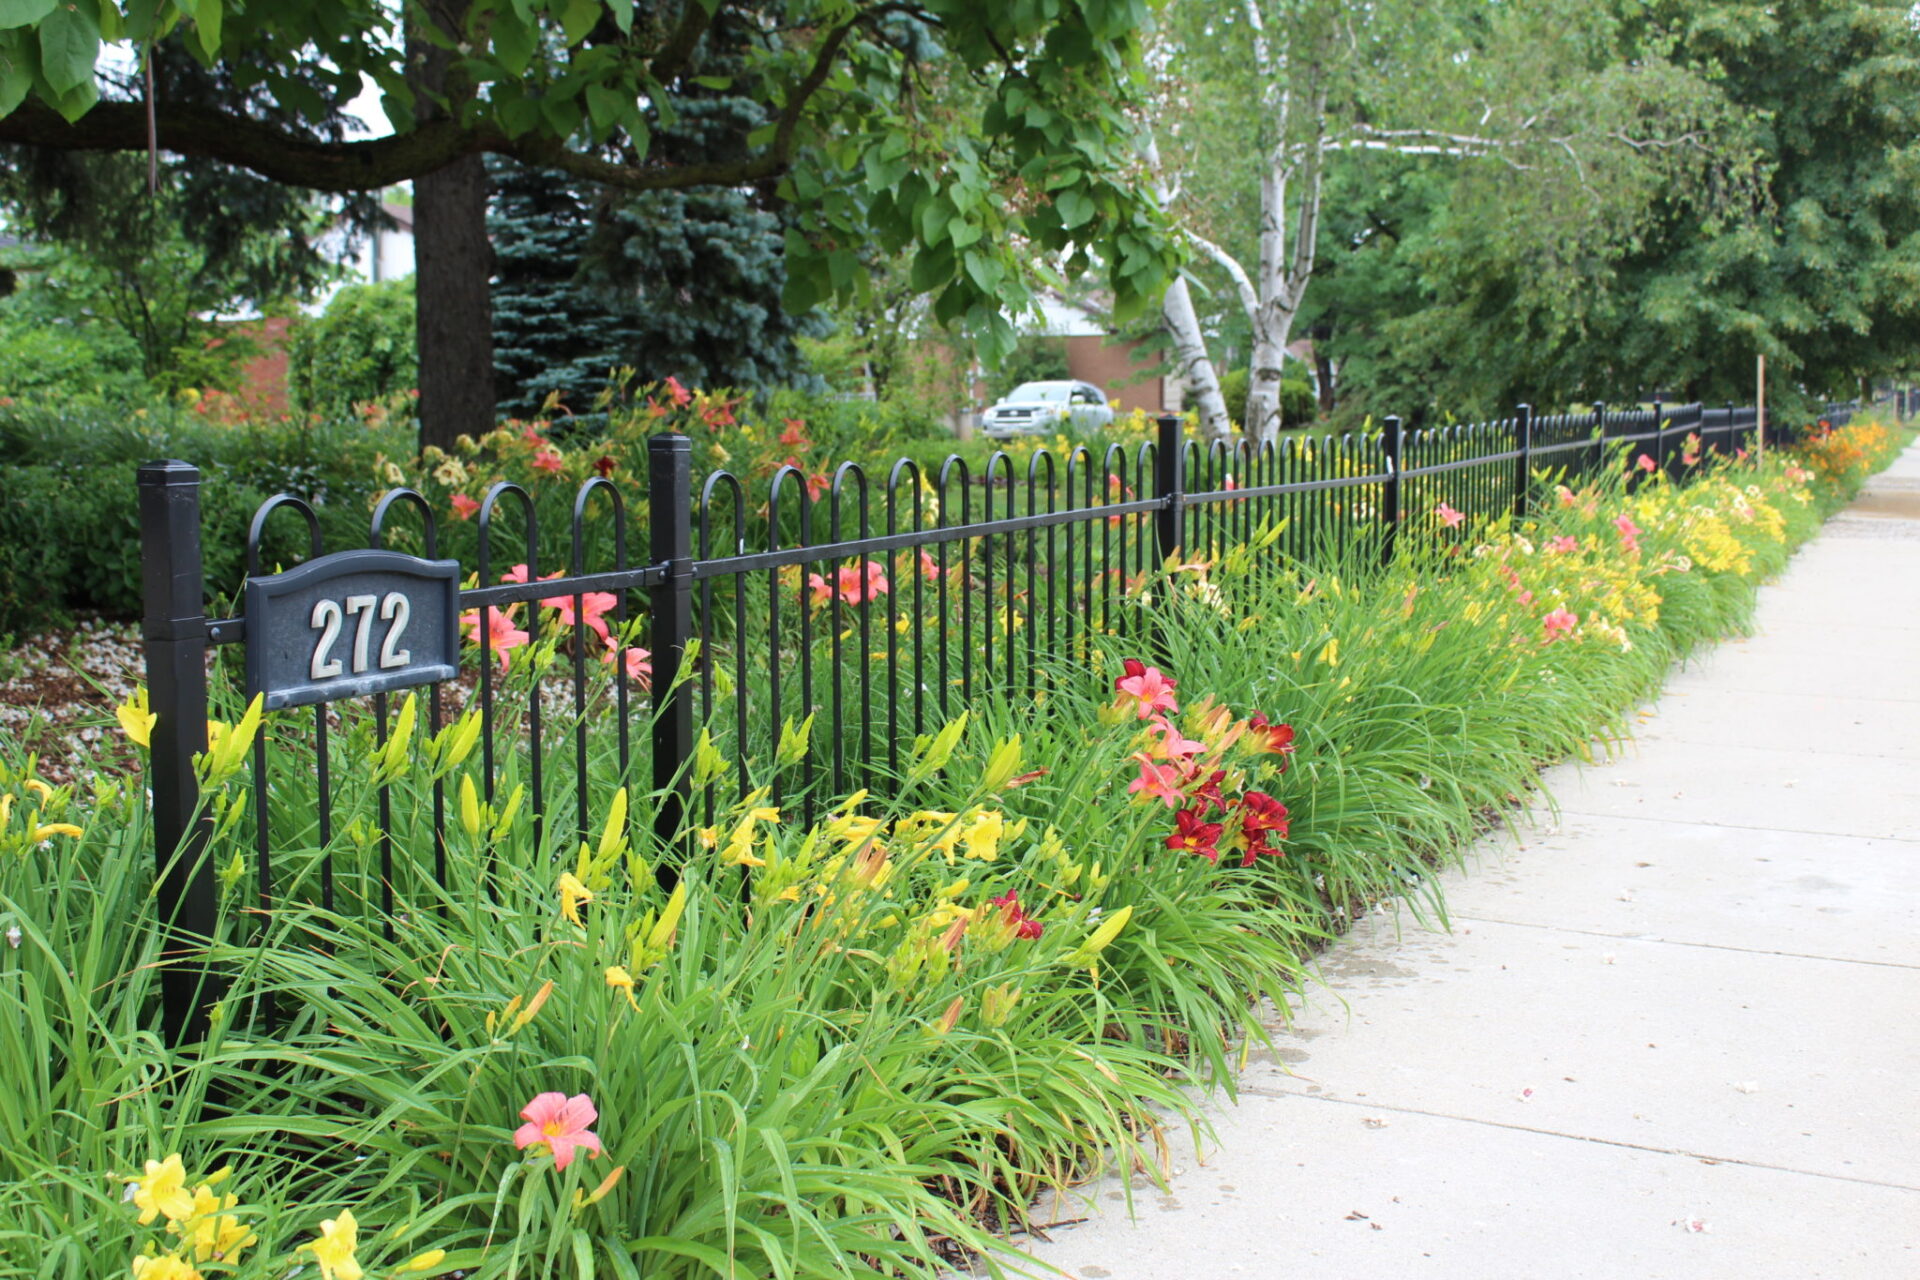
[[1523, 465], [1392, 438], [1662, 448], [1599, 435], [174, 631], [1169, 485], [670, 544], [1732, 435]]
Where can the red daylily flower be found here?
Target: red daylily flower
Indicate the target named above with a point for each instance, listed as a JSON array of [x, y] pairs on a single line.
[[1261, 817], [1193, 834], [604, 465], [681, 396], [1269, 738], [1011, 916], [796, 433]]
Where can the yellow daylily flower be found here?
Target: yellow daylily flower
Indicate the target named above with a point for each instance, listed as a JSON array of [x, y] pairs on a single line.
[[136, 721], [52, 829], [334, 1248], [620, 980], [573, 896], [164, 1267], [162, 1192]]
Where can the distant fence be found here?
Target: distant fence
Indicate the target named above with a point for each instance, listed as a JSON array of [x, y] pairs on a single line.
[[880, 609]]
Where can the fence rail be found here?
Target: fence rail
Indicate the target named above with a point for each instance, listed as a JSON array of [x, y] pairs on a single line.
[[874, 620]]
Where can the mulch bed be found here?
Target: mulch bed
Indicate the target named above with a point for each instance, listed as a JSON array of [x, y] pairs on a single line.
[[57, 695]]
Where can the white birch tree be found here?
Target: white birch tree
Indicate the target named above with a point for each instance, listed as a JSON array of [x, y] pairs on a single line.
[[1263, 94]]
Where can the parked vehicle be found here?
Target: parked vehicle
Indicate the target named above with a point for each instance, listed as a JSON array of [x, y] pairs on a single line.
[[1047, 408]]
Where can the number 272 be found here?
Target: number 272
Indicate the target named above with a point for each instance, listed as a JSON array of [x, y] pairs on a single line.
[[329, 618]]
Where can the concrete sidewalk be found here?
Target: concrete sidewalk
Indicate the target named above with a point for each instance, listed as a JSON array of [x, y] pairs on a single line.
[[1675, 1031]]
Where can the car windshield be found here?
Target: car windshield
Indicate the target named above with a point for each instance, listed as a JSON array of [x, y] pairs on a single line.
[[1056, 392]]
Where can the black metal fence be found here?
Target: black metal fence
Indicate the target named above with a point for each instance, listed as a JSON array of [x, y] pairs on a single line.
[[873, 610]]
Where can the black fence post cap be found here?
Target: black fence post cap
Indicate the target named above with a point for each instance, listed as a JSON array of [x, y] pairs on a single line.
[[168, 471]]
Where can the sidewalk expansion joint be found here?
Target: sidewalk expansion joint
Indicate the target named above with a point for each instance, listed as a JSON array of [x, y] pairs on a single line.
[[1373, 1105], [1682, 942], [1565, 813]]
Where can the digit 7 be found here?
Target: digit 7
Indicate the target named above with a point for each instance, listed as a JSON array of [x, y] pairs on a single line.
[[364, 606]]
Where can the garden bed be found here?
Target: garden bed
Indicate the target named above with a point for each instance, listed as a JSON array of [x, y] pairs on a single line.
[[846, 1047]]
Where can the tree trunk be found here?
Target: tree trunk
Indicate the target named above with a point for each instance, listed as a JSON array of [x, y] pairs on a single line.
[[1191, 359], [453, 301], [1182, 324], [1270, 331], [453, 259], [1323, 375]]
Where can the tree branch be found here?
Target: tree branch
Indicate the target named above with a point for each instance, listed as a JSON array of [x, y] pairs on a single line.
[[1242, 283], [671, 61]]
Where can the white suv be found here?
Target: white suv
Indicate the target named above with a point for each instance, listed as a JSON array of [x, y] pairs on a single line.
[[1047, 408]]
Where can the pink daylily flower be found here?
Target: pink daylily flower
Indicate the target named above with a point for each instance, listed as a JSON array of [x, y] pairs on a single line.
[[1151, 691], [560, 1124], [594, 607], [639, 662], [1564, 543], [1559, 624], [1160, 782], [1171, 746], [1629, 532], [1448, 516], [1646, 463]]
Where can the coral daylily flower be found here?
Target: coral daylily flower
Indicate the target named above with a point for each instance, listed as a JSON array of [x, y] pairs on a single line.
[[1646, 463], [560, 1124], [503, 637], [1150, 690], [548, 461], [1448, 516], [463, 506], [1629, 532], [928, 569], [1565, 542], [680, 395], [1559, 624]]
